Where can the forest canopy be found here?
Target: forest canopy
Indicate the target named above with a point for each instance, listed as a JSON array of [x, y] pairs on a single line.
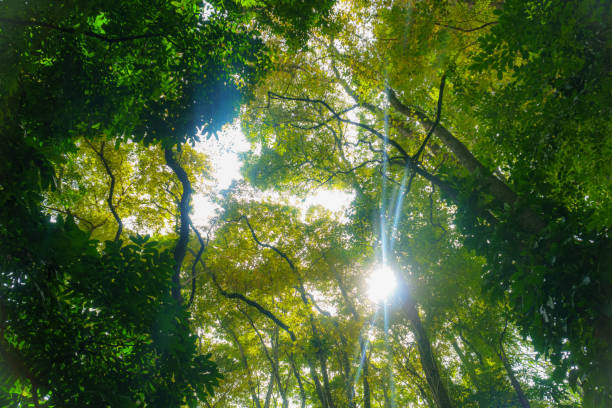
[[470, 266]]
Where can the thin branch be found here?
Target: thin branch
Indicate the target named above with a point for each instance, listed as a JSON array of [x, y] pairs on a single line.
[[466, 30], [248, 301], [71, 214], [431, 204], [245, 362], [298, 378], [415, 158], [327, 120], [272, 95], [447, 188], [273, 364], [333, 174], [300, 286], [34, 23], [272, 247], [343, 291]]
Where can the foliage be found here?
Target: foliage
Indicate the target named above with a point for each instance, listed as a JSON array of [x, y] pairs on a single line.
[[98, 327], [473, 138], [519, 154], [90, 323], [549, 123]]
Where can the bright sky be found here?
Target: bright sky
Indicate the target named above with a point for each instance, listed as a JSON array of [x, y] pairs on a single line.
[[223, 154]]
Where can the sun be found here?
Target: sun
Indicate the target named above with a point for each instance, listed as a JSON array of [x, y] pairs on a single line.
[[381, 283]]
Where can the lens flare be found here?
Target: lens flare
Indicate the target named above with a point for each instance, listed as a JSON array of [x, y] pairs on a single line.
[[381, 284]]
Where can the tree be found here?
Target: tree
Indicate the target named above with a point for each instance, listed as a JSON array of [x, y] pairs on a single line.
[[454, 131], [340, 132], [90, 323]]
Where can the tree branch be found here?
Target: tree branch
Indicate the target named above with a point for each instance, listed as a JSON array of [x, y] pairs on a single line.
[[272, 247], [300, 287], [248, 301], [452, 192], [34, 23], [181, 246], [466, 30], [415, 158], [272, 95], [245, 362], [273, 364], [197, 258], [111, 190]]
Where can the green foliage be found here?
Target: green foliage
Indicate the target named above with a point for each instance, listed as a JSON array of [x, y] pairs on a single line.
[[95, 325], [84, 323], [501, 249], [550, 119], [527, 98], [549, 125]]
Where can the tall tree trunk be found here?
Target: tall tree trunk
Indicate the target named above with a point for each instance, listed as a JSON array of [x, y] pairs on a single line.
[[269, 391], [298, 378], [428, 361], [317, 383], [245, 364], [326, 387], [181, 245], [515, 384]]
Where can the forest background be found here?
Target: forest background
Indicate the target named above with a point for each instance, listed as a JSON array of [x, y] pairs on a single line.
[[472, 137]]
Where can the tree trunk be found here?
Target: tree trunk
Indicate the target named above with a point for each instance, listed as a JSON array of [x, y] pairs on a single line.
[[528, 220], [298, 378], [245, 364], [466, 363], [181, 245], [269, 392], [515, 384], [326, 387], [428, 361], [317, 383]]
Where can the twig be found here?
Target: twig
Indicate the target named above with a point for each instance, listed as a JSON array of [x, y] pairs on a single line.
[[415, 157], [300, 286]]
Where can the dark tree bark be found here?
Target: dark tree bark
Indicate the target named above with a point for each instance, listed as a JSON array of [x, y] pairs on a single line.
[[515, 384], [317, 383], [111, 187], [529, 221]]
